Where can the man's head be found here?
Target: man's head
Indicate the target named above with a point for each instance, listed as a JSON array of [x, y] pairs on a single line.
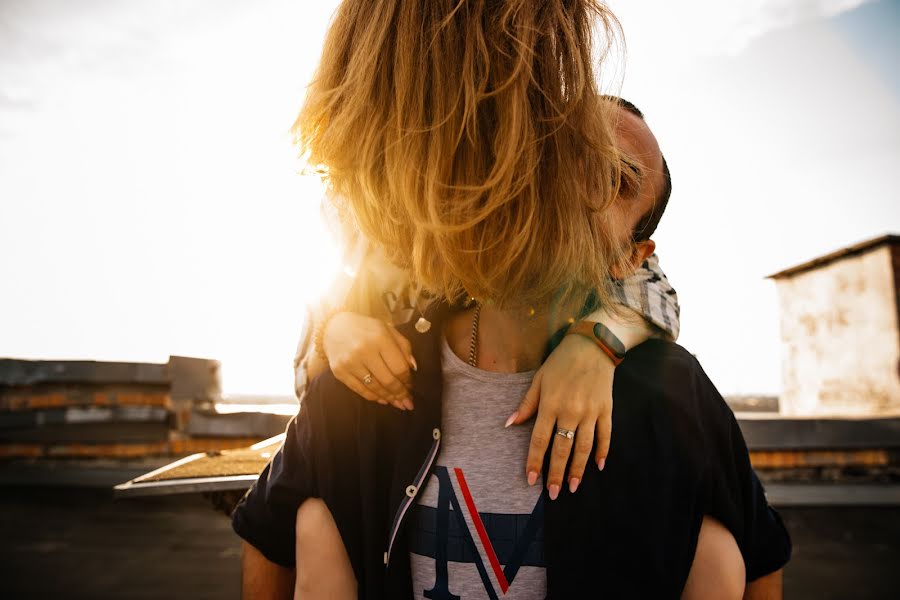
[[644, 193]]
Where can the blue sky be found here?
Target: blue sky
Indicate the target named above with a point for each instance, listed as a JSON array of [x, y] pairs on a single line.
[[149, 204]]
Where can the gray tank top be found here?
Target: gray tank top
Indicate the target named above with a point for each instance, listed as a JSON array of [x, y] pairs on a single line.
[[477, 528]]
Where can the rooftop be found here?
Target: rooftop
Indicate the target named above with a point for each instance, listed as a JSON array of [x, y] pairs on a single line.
[[821, 261]]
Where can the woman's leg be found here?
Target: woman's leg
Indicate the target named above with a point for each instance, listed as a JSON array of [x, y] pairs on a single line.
[[323, 567], [717, 572]]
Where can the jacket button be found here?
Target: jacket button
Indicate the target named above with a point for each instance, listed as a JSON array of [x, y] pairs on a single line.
[[436, 433], [411, 491]]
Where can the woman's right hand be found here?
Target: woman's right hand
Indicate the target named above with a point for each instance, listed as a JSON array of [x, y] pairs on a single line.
[[358, 346]]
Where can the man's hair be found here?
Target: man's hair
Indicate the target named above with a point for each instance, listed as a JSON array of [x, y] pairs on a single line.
[[648, 223], [465, 139]]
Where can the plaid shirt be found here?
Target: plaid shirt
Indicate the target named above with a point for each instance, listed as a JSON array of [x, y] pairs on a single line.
[[369, 284]]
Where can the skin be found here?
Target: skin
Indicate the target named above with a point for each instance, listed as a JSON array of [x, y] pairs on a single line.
[[261, 578]]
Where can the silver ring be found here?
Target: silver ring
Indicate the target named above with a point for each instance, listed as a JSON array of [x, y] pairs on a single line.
[[566, 433], [368, 379]]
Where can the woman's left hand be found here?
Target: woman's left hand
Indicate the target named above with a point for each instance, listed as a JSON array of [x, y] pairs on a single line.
[[571, 390]]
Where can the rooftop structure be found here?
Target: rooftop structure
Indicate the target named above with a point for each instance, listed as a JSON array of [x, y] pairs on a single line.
[[840, 331]]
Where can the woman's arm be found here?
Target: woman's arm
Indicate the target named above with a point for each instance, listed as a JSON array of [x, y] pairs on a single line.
[[574, 385], [349, 330]]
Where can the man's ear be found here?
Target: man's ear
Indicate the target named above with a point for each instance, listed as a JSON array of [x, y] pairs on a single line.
[[640, 251]]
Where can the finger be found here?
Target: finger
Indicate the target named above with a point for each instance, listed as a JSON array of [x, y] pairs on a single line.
[[361, 389], [559, 456], [399, 368], [405, 346], [397, 393], [604, 434], [362, 373], [584, 441], [528, 406], [540, 439], [396, 362], [355, 384]]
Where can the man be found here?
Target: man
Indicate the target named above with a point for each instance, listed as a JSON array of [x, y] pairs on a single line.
[[428, 491]]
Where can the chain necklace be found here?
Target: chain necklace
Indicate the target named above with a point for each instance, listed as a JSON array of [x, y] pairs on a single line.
[[473, 343]]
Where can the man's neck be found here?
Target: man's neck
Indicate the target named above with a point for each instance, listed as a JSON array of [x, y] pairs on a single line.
[[509, 341]]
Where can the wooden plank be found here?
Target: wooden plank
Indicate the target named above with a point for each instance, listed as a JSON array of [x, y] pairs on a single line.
[[121, 450], [16, 372], [44, 397], [789, 459], [766, 433], [834, 494]]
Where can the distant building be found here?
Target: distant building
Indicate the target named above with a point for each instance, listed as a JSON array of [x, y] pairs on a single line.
[[840, 331], [78, 408]]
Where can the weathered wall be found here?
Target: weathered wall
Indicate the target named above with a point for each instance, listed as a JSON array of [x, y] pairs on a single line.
[[839, 331]]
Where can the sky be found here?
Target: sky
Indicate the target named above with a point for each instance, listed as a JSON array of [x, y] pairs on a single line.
[[150, 202]]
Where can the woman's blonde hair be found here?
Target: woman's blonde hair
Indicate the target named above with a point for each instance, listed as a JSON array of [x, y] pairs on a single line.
[[469, 139]]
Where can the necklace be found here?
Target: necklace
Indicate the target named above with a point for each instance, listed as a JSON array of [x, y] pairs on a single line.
[[423, 324], [473, 343]]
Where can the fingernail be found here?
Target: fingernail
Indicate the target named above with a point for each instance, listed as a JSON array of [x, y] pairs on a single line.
[[408, 404], [512, 418], [554, 491], [601, 463], [412, 361], [532, 477], [573, 484]]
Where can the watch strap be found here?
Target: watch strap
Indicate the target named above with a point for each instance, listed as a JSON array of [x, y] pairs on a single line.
[[601, 335]]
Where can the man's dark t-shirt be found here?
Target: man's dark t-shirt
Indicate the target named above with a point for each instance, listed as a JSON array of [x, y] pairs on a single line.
[[676, 455]]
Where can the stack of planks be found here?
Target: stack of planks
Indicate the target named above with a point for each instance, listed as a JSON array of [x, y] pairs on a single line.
[[89, 409]]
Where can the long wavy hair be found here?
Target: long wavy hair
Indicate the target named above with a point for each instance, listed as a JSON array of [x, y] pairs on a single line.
[[470, 140]]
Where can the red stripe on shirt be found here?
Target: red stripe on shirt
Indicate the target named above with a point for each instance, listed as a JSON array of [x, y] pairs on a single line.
[[482, 532]]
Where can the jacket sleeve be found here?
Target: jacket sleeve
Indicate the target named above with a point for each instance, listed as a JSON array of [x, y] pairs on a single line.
[[266, 515], [648, 292], [736, 496]]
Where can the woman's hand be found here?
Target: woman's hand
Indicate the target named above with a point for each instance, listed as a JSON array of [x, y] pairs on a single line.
[[371, 358], [572, 390]]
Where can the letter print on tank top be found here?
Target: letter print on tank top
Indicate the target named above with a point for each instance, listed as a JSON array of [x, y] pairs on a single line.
[[477, 528]]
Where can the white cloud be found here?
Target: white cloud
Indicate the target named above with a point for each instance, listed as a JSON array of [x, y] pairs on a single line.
[[715, 27]]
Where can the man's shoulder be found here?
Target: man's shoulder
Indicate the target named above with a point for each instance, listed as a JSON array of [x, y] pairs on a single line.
[[660, 358], [667, 371]]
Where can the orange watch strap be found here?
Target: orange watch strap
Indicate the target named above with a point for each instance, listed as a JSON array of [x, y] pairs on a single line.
[[596, 332]]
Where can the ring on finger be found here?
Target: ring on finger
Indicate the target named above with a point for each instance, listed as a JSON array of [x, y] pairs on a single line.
[[566, 433], [367, 379]]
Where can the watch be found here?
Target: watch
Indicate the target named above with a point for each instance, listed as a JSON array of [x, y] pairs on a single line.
[[601, 335]]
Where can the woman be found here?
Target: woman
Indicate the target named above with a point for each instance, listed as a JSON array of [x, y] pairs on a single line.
[[487, 96]]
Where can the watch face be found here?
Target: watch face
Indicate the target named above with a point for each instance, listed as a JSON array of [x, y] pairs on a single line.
[[609, 340]]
